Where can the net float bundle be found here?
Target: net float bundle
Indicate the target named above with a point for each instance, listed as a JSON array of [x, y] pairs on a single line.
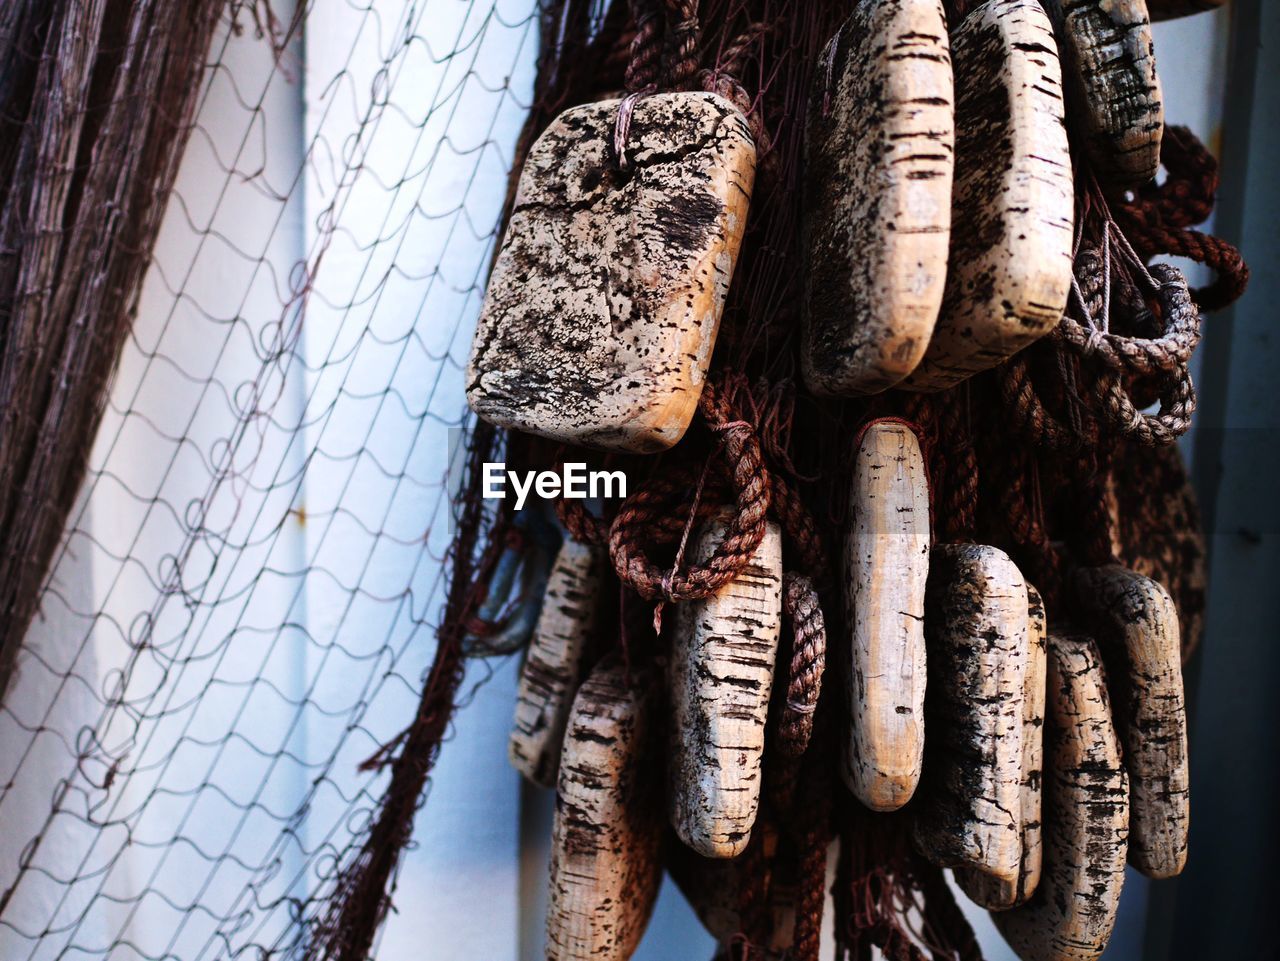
[[871, 306]]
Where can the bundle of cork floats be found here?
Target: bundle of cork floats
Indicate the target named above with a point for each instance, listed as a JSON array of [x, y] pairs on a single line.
[[908, 559]]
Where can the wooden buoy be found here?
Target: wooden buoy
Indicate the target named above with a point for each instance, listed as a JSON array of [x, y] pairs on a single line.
[[606, 836], [1013, 203], [722, 665], [553, 667], [886, 570], [1170, 9], [878, 142], [1086, 815], [1136, 624], [1109, 65], [604, 301], [975, 624], [983, 889]]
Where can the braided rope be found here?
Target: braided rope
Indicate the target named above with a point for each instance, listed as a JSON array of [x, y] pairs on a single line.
[[808, 662]]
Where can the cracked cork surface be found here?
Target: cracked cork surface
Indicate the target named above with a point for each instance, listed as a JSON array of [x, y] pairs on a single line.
[[604, 302], [999, 894], [1109, 65], [1086, 816], [879, 157], [553, 666], [976, 631], [606, 838], [886, 571], [721, 675], [1136, 624], [1012, 201]]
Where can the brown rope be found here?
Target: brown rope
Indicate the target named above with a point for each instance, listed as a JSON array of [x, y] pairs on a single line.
[[583, 526], [808, 662], [644, 63], [680, 49], [632, 525], [1159, 218]]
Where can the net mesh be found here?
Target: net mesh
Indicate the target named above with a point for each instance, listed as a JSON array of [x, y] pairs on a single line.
[[243, 603]]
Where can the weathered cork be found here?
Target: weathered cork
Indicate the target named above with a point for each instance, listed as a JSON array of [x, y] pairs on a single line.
[[1086, 816], [994, 893], [877, 196], [604, 302], [886, 570], [721, 674], [606, 839], [975, 624], [1109, 65], [553, 666], [1012, 205], [1136, 624]]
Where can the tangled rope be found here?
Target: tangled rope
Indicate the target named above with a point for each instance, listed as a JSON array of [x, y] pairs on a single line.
[[1160, 218], [639, 515]]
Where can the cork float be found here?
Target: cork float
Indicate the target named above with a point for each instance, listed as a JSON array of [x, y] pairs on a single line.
[[1109, 65], [604, 302], [553, 666], [1086, 816], [976, 630], [721, 675], [605, 844], [886, 571], [1136, 624], [990, 892], [879, 156], [1012, 200]]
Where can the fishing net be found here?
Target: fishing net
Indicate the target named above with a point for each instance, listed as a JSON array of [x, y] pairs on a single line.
[[261, 592], [237, 581]]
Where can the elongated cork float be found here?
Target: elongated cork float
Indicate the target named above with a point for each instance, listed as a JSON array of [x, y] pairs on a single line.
[[1012, 204], [605, 844], [1136, 624], [553, 667], [975, 623], [605, 299], [879, 157], [1109, 65], [994, 893], [1171, 9], [722, 665], [886, 571], [1086, 815]]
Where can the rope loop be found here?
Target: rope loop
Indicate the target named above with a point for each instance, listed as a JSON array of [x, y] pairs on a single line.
[[640, 516]]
